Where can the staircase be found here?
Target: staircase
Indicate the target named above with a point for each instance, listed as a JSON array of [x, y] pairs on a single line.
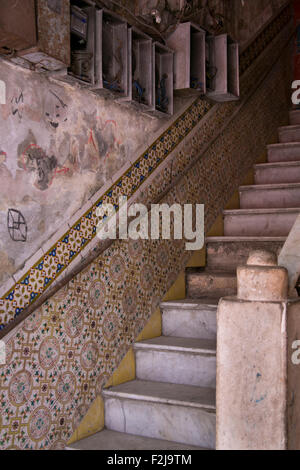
[[171, 404]]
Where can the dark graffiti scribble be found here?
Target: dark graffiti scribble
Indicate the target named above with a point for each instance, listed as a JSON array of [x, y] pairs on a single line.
[[16, 224], [17, 105], [56, 112], [45, 168]]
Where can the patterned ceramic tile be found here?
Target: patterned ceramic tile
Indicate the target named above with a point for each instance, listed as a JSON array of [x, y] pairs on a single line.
[[59, 359]]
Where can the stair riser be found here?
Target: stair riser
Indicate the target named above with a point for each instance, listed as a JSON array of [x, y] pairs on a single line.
[[259, 225], [284, 153], [201, 286], [289, 135], [277, 175], [187, 425], [228, 256], [176, 367], [294, 118], [190, 323], [270, 198]]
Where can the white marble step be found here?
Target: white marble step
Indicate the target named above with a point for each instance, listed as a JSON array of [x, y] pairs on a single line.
[[270, 196], [284, 152], [113, 440], [177, 360], [259, 222], [179, 413], [190, 318], [277, 173]]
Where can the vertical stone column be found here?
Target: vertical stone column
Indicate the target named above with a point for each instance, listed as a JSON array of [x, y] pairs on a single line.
[[252, 359]]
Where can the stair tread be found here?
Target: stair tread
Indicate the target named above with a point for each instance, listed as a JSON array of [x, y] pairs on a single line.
[[283, 145], [214, 273], [259, 187], [261, 211], [172, 343], [244, 239], [162, 392], [190, 304], [290, 126], [113, 440], [276, 165]]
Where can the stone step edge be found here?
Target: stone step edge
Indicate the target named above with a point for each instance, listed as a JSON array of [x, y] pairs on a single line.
[[144, 346], [192, 305], [286, 164], [288, 210], [269, 187], [244, 239], [102, 435], [283, 145], [289, 127], [110, 393]]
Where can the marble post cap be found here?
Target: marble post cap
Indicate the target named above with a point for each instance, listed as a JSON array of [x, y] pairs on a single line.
[[262, 258], [261, 279]]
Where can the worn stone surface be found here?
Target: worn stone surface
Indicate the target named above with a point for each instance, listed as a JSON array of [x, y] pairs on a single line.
[[251, 375], [210, 284], [229, 253]]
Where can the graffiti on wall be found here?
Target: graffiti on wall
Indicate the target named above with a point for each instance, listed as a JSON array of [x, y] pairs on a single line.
[[56, 110], [16, 225], [17, 105], [44, 168]]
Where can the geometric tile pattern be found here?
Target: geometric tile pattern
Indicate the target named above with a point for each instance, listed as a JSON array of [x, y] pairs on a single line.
[[69, 246], [59, 359]]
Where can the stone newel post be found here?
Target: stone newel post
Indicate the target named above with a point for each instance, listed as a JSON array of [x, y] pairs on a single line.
[[257, 384]]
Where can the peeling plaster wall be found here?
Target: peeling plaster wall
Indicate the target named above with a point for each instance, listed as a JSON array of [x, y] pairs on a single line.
[[58, 146]]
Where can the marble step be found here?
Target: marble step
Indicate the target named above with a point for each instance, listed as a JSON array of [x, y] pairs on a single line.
[[289, 134], [210, 284], [190, 318], [259, 222], [295, 117], [178, 413], [113, 440], [284, 152], [270, 196], [227, 253], [277, 173], [177, 360]]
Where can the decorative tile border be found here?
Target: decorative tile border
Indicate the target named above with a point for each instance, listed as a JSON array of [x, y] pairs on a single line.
[[59, 257]]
